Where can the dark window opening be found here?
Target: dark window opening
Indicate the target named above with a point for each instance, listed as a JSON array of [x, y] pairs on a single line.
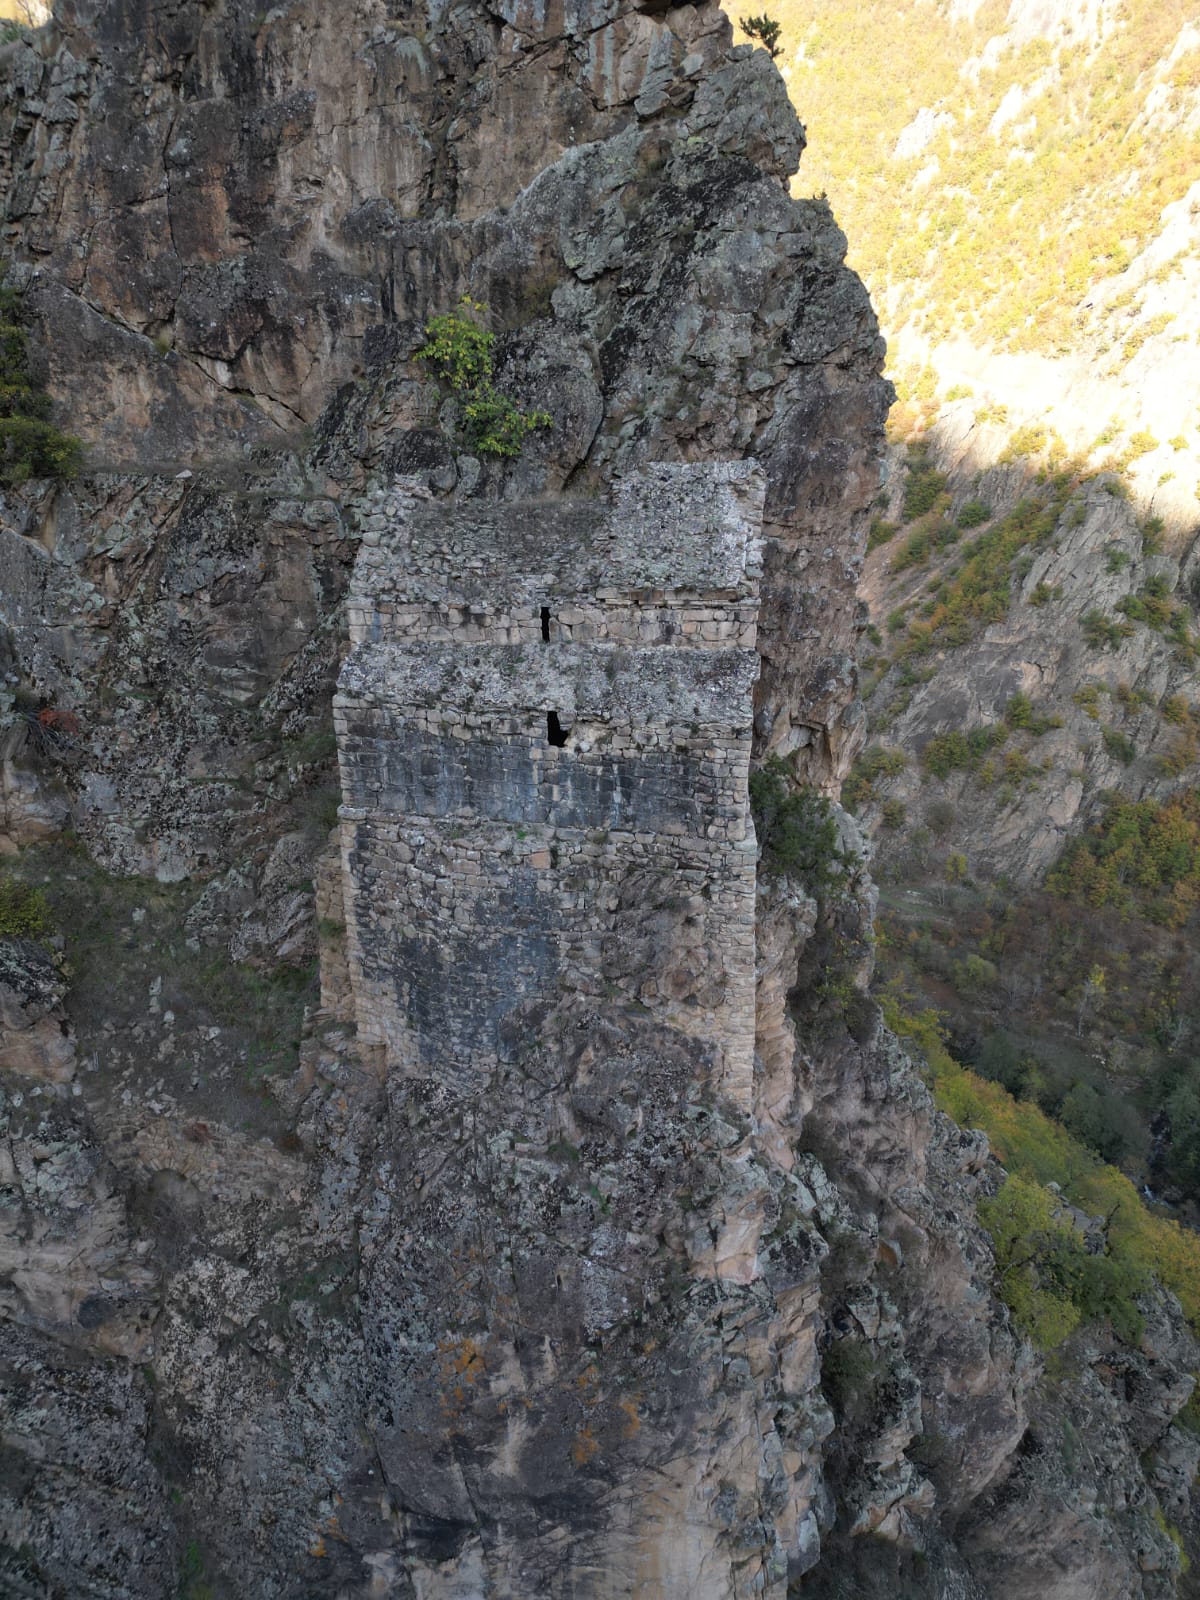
[[546, 624], [556, 734]]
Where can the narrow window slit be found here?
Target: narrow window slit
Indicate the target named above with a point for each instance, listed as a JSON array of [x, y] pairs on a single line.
[[546, 624], [556, 734]]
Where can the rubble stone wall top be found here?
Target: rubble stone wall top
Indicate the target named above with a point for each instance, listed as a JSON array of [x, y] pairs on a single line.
[[671, 526]]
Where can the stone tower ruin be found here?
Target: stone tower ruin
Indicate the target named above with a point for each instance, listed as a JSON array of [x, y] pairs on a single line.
[[544, 728]]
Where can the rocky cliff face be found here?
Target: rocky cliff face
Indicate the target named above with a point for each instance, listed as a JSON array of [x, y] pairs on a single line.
[[1100, 694], [285, 1315]]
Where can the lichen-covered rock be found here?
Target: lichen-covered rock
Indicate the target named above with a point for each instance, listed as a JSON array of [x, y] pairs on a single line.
[[35, 1041]]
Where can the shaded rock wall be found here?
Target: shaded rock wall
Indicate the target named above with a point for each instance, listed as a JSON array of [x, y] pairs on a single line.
[[1097, 556]]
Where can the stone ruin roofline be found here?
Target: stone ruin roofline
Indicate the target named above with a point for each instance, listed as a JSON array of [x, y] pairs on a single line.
[[672, 528]]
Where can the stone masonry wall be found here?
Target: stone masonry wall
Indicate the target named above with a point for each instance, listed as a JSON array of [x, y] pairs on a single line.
[[544, 732]]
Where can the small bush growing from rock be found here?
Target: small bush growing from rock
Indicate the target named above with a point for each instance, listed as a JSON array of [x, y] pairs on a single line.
[[876, 761], [850, 1376], [795, 827], [1175, 709], [924, 488], [1020, 713], [948, 752], [765, 30], [460, 353], [894, 814], [974, 514], [1101, 632], [1119, 745], [30, 445]]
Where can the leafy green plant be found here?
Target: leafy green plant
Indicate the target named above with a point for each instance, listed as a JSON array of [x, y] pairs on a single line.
[[1021, 713], [850, 1376], [1101, 632], [192, 1574], [877, 761], [894, 813], [974, 514], [914, 550], [1152, 530], [30, 445], [1030, 440], [1048, 1277], [1175, 710], [766, 30], [1119, 745], [881, 531], [1155, 607], [461, 354], [1088, 699], [924, 486], [947, 752], [795, 827]]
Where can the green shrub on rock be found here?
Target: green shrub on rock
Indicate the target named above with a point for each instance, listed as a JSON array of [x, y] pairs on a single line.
[[765, 31], [924, 487], [1049, 1278], [795, 827], [460, 353], [30, 445], [24, 913]]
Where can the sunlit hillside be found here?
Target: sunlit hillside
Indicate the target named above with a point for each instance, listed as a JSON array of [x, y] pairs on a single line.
[[30, 13], [1020, 186]]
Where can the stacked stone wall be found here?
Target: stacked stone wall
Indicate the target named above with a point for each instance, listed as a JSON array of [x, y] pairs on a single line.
[[545, 789], [456, 931], [677, 619]]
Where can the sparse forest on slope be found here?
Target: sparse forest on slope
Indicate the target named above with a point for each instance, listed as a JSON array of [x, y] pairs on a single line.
[[1018, 184], [1033, 695]]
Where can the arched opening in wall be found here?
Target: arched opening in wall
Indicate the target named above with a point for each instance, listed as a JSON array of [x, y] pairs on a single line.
[[546, 624], [556, 734]]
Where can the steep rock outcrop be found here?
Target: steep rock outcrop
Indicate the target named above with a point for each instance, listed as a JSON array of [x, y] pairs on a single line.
[[566, 1328], [1100, 694]]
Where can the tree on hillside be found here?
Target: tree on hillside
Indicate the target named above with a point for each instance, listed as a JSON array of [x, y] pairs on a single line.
[[766, 30]]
